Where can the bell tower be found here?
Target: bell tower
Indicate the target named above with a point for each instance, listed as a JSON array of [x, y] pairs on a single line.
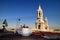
[[40, 14], [39, 22]]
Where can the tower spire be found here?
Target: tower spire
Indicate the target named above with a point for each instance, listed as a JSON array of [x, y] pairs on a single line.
[[40, 13], [39, 7]]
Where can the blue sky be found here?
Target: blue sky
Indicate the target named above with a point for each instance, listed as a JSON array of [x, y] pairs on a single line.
[[26, 10]]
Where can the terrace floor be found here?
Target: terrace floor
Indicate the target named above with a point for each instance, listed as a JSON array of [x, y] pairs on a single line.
[[20, 37]]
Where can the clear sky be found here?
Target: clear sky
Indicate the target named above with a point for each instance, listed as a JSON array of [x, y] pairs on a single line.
[[26, 10]]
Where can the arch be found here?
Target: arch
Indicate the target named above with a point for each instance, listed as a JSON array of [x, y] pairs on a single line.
[[39, 26]]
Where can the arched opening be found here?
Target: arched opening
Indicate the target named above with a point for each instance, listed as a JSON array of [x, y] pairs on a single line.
[[39, 14], [45, 27], [39, 26]]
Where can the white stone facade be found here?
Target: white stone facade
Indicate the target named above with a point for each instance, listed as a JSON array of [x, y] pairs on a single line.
[[40, 23]]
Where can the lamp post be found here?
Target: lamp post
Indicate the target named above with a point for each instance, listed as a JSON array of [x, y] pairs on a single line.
[[18, 22]]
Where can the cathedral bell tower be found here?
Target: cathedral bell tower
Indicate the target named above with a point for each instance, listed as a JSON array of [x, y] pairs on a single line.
[[40, 14], [39, 22]]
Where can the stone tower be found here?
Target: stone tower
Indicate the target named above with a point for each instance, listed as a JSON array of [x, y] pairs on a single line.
[[40, 23]]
